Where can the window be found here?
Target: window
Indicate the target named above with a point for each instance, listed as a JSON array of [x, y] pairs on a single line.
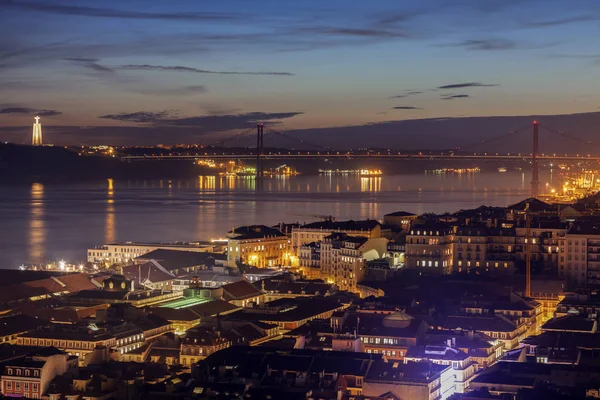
[[27, 372], [18, 372], [26, 386], [10, 371], [35, 387], [9, 385], [17, 386]]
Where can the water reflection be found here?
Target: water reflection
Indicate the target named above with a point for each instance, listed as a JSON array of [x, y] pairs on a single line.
[[109, 223], [37, 225], [372, 184]]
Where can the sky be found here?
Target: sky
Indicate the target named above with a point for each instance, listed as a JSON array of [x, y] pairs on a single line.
[[141, 72]]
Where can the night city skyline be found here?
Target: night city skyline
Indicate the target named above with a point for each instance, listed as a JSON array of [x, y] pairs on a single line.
[[129, 73]]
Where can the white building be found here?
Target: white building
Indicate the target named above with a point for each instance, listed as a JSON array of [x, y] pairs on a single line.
[[343, 258], [462, 365], [124, 252]]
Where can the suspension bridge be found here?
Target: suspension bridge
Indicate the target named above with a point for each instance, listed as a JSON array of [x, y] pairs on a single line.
[[230, 148]]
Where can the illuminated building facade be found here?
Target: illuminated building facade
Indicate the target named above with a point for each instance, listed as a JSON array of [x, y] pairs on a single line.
[[259, 246], [343, 258], [430, 246], [317, 231], [120, 253], [37, 133], [30, 377]]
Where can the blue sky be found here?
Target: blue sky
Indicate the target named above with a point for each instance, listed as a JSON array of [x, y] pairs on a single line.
[[208, 67]]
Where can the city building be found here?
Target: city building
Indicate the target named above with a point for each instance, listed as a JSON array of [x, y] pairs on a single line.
[[429, 247], [462, 365], [483, 350], [386, 333], [30, 376], [582, 253], [21, 289], [286, 287], [200, 343], [150, 275], [343, 258], [415, 381], [259, 246], [400, 219], [507, 331], [243, 294], [316, 232], [309, 258], [124, 252]]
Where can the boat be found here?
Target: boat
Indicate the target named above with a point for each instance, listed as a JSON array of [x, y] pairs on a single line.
[[370, 173]]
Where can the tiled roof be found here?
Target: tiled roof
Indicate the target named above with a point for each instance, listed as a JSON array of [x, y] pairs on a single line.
[[19, 323], [400, 214], [436, 353], [175, 259], [365, 225], [240, 291], [284, 286], [400, 372], [254, 232], [24, 286], [479, 323], [149, 271], [535, 205], [573, 323]]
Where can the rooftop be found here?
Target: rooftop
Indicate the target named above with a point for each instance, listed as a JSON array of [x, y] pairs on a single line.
[[570, 323], [254, 232], [364, 225], [176, 259], [400, 214], [479, 323], [240, 291]]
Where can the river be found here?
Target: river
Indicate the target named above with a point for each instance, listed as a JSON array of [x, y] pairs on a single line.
[[45, 222]]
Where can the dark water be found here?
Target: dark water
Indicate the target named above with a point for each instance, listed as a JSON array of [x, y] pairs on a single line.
[[49, 222]]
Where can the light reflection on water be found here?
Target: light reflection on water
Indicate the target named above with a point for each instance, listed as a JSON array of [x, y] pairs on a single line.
[[49, 222]]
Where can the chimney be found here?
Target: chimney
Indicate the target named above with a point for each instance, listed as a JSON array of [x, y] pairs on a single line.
[[470, 334], [453, 342]]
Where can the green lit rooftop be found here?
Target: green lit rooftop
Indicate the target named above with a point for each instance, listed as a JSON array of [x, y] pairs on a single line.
[[184, 303]]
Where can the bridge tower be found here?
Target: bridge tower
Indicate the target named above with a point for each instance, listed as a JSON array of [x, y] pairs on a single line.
[[259, 149], [36, 140], [535, 179]]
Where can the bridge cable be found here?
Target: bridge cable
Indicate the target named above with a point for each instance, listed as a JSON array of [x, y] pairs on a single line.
[[571, 137], [298, 140], [491, 140]]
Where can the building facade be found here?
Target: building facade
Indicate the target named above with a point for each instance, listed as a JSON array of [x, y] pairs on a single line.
[[258, 246], [343, 258], [430, 247]]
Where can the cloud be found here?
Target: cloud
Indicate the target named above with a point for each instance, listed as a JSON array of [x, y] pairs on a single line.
[[488, 44], [205, 123], [355, 32], [180, 68], [32, 111], [85, 11], [139, 116], [177, 91], [407, 108], [407, 94], [90, 63], [466, 85], [454, 96], [560, 21]]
